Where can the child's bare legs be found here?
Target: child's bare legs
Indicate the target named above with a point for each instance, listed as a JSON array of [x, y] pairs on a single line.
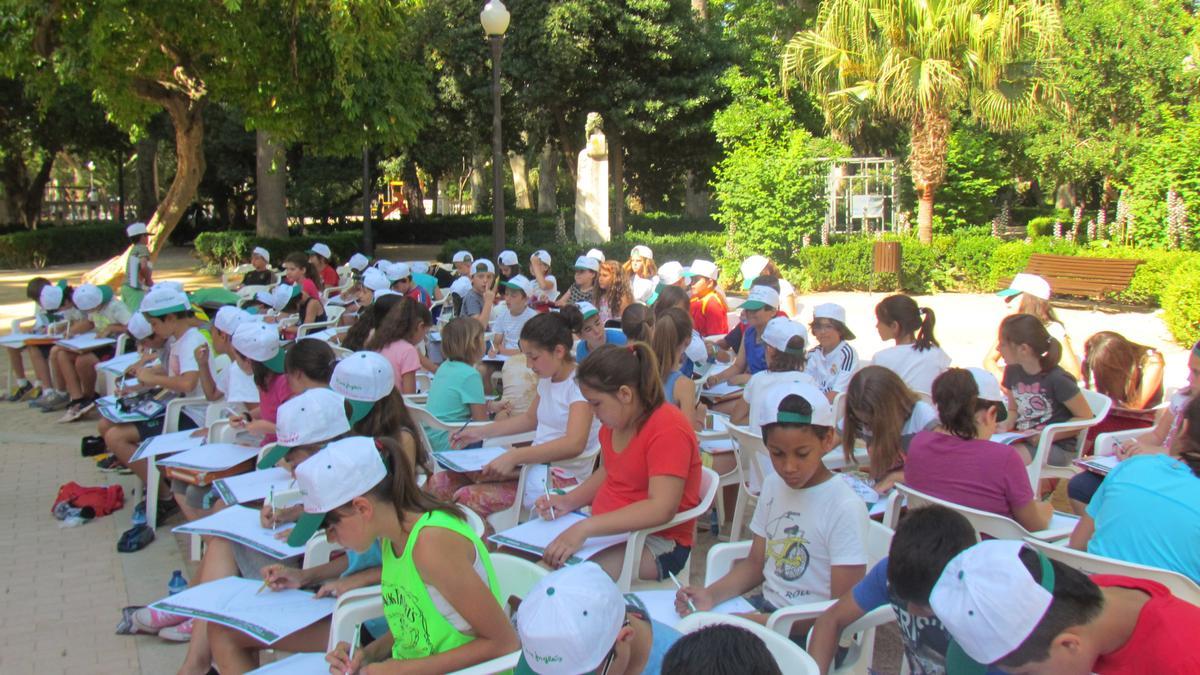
[[41, 367], [122, 441], [85, 369], [1024, 451], [730, 407], [64, 364], [218, 562], [611, 559], [15, 363], [236, 653], [739, 412]]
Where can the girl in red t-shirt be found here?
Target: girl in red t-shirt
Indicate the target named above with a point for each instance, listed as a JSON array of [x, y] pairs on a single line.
[[635, 488]]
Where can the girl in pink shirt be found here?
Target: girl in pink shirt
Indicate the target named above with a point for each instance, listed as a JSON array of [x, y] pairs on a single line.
[[396, 337]]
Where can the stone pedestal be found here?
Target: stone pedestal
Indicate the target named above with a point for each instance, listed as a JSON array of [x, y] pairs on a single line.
[[591, 192]]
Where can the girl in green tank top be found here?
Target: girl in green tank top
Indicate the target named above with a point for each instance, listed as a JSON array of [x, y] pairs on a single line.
[[434, 565]]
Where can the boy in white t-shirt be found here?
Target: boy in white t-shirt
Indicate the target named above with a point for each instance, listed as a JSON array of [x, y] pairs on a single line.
[[809, 527], [545, 286], [833, 361], [786, 346], [507, 324]]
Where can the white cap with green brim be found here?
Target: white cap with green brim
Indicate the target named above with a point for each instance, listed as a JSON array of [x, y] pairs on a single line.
[[51, 297], [1029, 284], [702, 268], [462, 256], [397, 271], [89, 296], [751, 268], [670, 273], [321, 250], [282, 295], [482, 266], [135, 230], [374, 279], [507, 257], [543, 255], [821, 412], [569, 621], [139, 327], [260, 342], [162, 300], [780, 331], [989, 390], [228, 319], [364, 378], [642, 252], [338, 473], [595, 253], [760, 297], [587, 309], [585, 262], [262, 253], [519, 283], [312, 417], [358, 262]]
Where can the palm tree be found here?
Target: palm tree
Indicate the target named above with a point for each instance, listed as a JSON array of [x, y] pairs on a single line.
[[918, 61]]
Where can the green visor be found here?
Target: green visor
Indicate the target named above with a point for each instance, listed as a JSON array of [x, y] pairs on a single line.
[[752, 305], [1008, 292], [275, 363], [515, 287], [359, 410], [306, 526], [271, 457]]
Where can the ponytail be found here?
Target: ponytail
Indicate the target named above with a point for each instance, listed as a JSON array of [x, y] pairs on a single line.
[[314, 359], [912, 320], [634, 365], [636, 323], [551, 330], [672, 330], [573, 316], [368, 320], [877, 400], [957, 399], [389, 418], [399, 487], [1026, 329]]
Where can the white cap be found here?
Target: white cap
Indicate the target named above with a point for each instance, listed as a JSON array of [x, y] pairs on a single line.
[[832, 310], [89, 296], [462, 256], [397, 271], [264, 297], [761, 296], [419, 266], [321, 250], [1030, 284], [670, 273], [585, 262], [262, 253], [460, 286], [703, 268], [51, 297], [752, 267], [260, 342], [161, 300], [587, 309], [543, 255], [385, 292], [507, 257], [228, 319], [781, 330], [363, 378], [139, 327], [375, 280], [642, 252], [569, 620], [358, 262], [595, 253], [312, 417], [481, 266], [520, 283], [988, 600], [989, 390], [282, 295], [822, 411], [381, 263], [135, 229], [341, 471]]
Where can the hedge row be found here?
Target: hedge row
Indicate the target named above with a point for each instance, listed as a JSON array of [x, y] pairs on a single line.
[[229, 249], [61, 244]]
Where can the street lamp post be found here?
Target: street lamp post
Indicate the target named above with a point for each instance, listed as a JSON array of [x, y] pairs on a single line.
[[494, 18]]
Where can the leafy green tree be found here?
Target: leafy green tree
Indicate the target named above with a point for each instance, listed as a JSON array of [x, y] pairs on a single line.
[[918, 61]]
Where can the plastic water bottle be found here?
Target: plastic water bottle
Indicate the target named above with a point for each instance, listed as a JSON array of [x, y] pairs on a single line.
[[177, 583]]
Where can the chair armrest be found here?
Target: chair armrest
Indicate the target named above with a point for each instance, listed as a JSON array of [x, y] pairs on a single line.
[[782, 620], [1106, 443], [721, 558], [16, 323], [353, 608], [318, 550], [175, 409]]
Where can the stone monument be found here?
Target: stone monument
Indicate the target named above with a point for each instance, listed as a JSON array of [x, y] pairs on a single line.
[[591, 186]]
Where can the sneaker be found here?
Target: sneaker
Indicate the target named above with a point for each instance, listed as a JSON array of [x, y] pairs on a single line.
[[59, 402], [139, 514], [166, 509], [19, 392], [135, 539], [37, 402], [146, 620], [109, 464], [32, 393], [77, 409], [178, 633]]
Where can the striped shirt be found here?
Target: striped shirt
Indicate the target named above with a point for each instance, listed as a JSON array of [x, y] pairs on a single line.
[[832, 371]]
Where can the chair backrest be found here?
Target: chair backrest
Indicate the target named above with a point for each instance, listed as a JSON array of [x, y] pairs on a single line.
[[1100, 405], [748, 451], [474, 521], [992, 524], [710, 482], [500, 664], [788, 655], [1089, 563], [516, 576]]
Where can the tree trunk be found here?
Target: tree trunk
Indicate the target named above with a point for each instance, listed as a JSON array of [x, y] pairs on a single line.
[[616, 161], [695, 197], [548, 179], [435, 193], [412, 191], [700, 7], [520, 172], [187, 116], [24, 193], [927, 160], [270, 185], [1066, 196], [479, 182], [147, 178]]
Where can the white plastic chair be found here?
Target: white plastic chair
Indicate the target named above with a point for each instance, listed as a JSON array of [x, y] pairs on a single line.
[[1089, 563], [170, 425], [230, 278], [718, 431], [788, 655], [748, 450], [628, 580], [333, 313], [985, 522], [1038, 468], [247, 293], [345, 279]]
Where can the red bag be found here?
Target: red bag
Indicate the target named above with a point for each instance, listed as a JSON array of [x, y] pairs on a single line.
[[104, 500]]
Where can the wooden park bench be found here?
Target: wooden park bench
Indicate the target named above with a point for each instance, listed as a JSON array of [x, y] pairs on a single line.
[[1094, 278]]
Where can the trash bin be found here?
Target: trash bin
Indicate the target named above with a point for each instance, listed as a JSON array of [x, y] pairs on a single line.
[[886, 258]]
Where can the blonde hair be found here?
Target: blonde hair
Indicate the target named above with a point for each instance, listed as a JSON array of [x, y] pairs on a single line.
[[462, 340]]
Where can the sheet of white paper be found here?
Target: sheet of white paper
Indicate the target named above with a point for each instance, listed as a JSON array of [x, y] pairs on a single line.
[[326, 335], [718, 422], [1100, 464], [660, 605], [717, 447], [86, 342], [212, 457], [118, 364], [535, 535], [1012, 436], [256, 485], [498, 358], [307, 663], [17, 339], [860, 487], [463, 461], [166, 444], [721, 390], [107, 406], [241, 524], [1060, 521], [233, 601]]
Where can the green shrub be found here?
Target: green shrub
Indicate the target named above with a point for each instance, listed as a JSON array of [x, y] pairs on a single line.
[[1181, 303], [229, 249], [61, 244], [1044, 226]]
